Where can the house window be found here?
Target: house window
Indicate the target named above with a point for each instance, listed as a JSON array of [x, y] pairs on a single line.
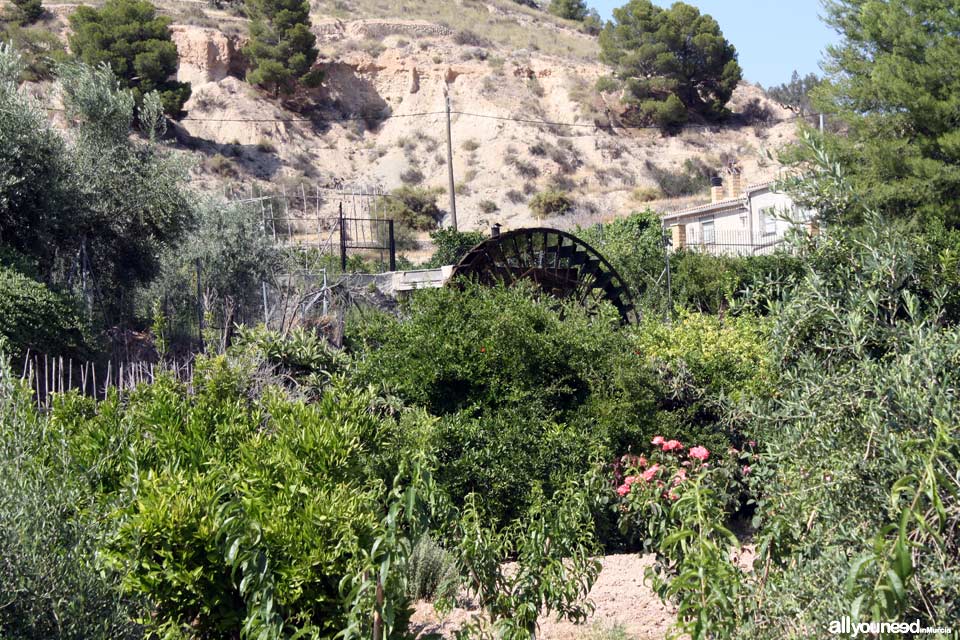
[[709, 234], [768, 221]]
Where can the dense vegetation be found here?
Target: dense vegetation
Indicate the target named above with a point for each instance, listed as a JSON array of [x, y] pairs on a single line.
[[482, 441]]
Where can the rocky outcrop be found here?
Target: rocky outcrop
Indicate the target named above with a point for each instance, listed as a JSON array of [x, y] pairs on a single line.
[[377, 29], [206, 55]]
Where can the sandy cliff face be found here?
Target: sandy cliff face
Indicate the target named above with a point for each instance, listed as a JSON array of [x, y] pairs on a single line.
[[501, 155], [206, 55]]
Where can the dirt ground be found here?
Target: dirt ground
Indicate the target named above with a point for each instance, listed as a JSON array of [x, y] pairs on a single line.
[[621, 598]]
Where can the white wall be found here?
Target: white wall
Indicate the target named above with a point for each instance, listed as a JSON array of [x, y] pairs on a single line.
[[746, 230]]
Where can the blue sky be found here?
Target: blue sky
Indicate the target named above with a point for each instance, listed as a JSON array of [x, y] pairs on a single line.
[[772, 37]]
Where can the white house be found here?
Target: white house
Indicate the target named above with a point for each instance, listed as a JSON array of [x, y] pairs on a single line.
[[738, 221]]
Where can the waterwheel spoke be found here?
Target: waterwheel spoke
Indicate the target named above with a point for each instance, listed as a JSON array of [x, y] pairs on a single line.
[[558, 262]]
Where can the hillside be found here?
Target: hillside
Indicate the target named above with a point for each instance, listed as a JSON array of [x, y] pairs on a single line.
[[505, 66]]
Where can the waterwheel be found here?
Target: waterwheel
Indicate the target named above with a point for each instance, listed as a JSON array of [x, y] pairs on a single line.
[[560, 263]]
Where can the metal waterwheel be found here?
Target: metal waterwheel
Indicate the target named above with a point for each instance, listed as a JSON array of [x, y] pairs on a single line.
[[561, 264]]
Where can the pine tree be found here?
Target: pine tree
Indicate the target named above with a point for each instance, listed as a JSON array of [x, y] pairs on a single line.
[[675, 52], [282, 48], [136, 43], [893, 83], [796, 94]]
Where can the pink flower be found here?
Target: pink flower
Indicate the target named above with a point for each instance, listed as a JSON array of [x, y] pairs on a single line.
[[630, 480], [746, 469], [642, 462], [752, 443], [651, 472], [657, 440], [672, 496], [670, 445], [680, 477], [700, 453], [623, 490]]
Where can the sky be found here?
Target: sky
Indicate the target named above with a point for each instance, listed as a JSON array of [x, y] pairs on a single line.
[[772, 37]]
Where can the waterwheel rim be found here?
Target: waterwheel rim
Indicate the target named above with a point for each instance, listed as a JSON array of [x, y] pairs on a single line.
[[558, 262]]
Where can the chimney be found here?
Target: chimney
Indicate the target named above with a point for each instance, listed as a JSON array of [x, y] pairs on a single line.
[[495, 231], [678, 236], [716, 189], [736, 186]]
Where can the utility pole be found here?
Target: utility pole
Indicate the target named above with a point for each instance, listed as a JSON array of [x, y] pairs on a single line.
[[453, 195], [821, 123]]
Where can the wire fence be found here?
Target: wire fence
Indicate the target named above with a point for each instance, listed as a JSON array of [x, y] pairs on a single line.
[[339, 220]]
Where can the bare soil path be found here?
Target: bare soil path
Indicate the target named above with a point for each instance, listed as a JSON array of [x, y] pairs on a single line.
[[623, 602]]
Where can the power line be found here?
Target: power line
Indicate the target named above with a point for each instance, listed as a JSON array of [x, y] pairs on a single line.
[[548, 123], [376, 117], [534, 121], [595, 126]]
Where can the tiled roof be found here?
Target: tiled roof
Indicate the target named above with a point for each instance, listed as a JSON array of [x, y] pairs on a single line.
[[721, 205]]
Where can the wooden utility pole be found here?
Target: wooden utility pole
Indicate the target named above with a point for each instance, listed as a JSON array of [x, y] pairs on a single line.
[[453, 195]]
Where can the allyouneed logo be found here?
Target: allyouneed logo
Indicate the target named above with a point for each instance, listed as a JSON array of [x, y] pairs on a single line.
[[846, 626]]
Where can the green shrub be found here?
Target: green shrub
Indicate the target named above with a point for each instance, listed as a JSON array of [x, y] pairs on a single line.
[[34, 318], [645, 194], [860, 465], [692, 178], [634, 246], [607, 84], [235, 259], [724, 356], [251, 507], [451, 245], [713, 284], [411, 176], [514, 380], [414, 207], [41, 50], [433, 573], [52, 581], [550, 203], [568, 9], [28, 11], [488, 206]]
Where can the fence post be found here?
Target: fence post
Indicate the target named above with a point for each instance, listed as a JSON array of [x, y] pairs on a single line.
[[199, 306], [266, 313], [393, 246], [668, 312], [343, 242]]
